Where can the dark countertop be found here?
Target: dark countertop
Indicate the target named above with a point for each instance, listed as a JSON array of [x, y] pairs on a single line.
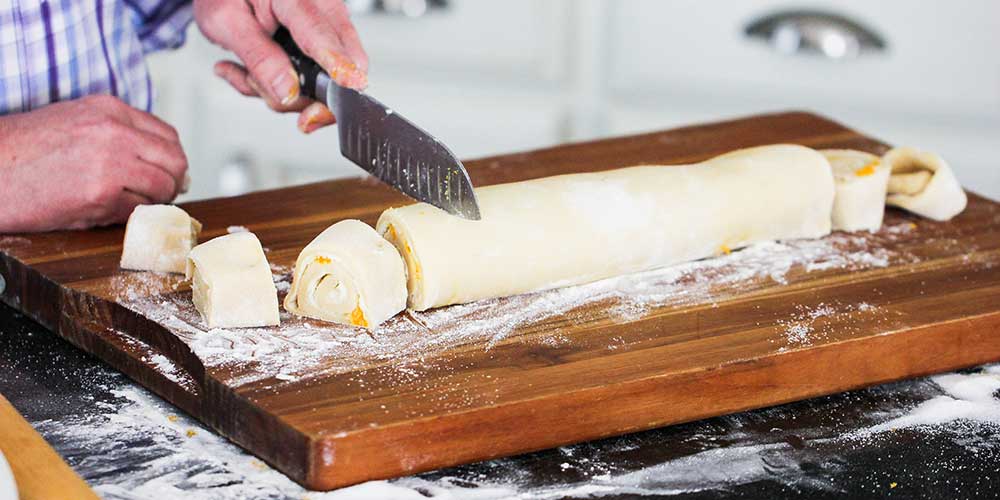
[[936, 437]]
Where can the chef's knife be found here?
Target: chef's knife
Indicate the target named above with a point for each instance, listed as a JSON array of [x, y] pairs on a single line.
[[384, 143]]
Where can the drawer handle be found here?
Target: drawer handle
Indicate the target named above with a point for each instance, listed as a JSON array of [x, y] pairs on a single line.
[[815, 33], [407, 8]]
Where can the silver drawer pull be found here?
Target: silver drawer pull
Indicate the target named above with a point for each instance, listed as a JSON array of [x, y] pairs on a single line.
[[815, 32], [407, 8]]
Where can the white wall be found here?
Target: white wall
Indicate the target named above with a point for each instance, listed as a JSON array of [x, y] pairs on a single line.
[[490, 77]]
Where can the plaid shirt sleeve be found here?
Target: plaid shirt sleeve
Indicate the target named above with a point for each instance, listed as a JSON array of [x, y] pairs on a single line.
[[162, 22], [53, 50]]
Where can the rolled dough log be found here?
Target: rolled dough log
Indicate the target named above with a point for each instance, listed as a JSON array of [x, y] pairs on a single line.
[[861, 181], [158, 238], [349, 275], [231, 282], [572, 229], [923, 183]]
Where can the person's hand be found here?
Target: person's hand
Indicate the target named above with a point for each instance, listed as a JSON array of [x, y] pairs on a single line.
[[83, 163], [322, 28]]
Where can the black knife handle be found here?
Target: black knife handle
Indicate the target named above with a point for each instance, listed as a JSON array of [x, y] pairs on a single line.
[[307, 69]]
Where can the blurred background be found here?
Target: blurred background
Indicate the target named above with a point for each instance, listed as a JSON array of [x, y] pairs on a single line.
[[490, 77]]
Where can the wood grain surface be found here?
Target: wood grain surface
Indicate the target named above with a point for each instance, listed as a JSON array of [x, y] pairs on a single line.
[[938, 310], [39, 471]]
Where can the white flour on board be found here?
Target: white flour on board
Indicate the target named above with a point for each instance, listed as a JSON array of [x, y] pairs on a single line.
[[812, 323], [301, 348]]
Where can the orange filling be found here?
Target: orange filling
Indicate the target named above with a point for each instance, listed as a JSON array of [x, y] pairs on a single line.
[[358, 317], [866, 170], [725, 250], [393, 237], [321, 260]]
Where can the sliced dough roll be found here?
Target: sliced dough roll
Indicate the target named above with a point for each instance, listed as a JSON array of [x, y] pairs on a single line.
[[349, 275], [577, 228], [158, 238], [231, 282], [923, 183], [861, 181]]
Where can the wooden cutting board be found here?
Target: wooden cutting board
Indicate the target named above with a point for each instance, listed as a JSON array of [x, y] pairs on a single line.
[[332, 406], [39, 471]]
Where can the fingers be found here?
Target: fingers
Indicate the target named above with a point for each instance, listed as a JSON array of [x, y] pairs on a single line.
[[157, 143], [349, 38], [315, 115], [237, 76], [150, 123], [317, 30], [148, 180], [297, 105], [123, 207], [241, 33], [167, 155]]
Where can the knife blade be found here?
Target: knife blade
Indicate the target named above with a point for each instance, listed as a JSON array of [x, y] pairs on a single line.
[[384, 143]]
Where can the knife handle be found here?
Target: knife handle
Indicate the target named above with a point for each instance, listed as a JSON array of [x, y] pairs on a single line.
[[308, 71]]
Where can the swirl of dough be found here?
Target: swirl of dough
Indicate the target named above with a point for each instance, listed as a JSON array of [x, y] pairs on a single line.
[[923, 183], [349, 275], [861, 180]]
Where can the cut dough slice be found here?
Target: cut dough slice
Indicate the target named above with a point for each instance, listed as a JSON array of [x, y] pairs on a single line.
[[231, 282], [158, 238], [861, 181], [923, 183], [572, 229], [349, 275]]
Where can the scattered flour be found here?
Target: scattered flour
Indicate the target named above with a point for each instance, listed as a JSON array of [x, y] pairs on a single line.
[[302, 348], [185, 460], [165, 366], [812, 324], [967, 397]]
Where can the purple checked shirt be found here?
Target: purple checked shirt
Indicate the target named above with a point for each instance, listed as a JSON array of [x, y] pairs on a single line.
[[53, 50]]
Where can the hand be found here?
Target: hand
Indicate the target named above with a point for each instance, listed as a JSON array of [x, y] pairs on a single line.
[[322, 28], [83, 163]]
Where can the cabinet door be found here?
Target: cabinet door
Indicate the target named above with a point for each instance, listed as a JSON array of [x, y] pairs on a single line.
[[941, 57], [519, 40]]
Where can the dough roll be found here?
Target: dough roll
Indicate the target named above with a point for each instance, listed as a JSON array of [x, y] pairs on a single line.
[[158, 238], [923, 183], [577, 228], [349, 275], [861, 181], [231, 284]]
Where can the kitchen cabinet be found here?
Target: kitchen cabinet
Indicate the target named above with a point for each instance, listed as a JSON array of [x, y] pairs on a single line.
[[491, 77]]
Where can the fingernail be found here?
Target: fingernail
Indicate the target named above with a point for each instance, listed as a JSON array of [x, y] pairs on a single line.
[[344, 71], [286, 87]]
